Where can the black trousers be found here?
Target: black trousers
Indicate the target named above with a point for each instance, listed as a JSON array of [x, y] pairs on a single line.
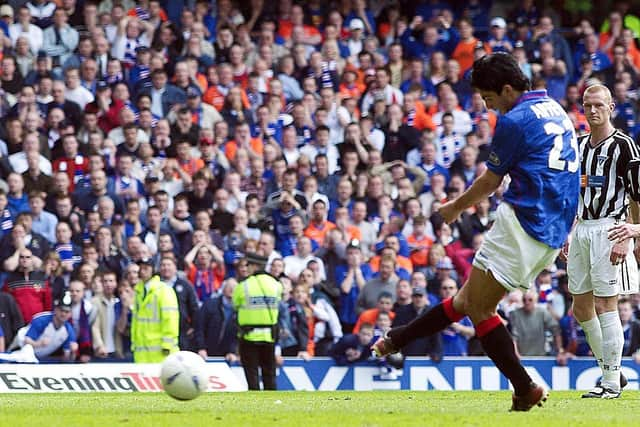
[[258, 354]]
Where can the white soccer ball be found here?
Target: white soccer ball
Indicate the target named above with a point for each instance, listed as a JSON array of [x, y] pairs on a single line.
[[184, 375]]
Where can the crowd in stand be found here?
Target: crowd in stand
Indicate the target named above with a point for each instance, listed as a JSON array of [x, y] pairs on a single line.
[[323, 135]]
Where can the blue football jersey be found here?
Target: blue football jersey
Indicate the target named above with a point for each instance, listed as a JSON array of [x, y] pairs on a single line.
[[535, 144]]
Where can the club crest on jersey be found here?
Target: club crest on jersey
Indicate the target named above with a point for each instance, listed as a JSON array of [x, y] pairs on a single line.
[[602, 159]]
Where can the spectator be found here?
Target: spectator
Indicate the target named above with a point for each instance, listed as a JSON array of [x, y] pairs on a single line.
[[51, 334], [529, 325], [216, 327], [429, 346], [384, 282], [351, 277], [631, 329], [24, 27], [456, 336], [294, 338], [163, 96], [107, 340], [187, 302], [44, 223], [294, 264], [11, 319], [384, 305], [19, 239], [82, 318], [353, 348], [205, 269], [60, 39]]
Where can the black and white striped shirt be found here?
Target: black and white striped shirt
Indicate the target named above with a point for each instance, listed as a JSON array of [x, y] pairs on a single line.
[[608, 175]]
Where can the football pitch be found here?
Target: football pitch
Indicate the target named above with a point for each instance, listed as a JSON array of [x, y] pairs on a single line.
[[306, 409]]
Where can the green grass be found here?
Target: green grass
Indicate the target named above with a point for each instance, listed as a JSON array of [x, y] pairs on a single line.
[[391, 408]]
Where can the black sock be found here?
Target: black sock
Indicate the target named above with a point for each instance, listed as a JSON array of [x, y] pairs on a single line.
[[427, 324], [498, 345]]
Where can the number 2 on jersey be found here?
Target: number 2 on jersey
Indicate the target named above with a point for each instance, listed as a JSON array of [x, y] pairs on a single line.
[[555, 160]]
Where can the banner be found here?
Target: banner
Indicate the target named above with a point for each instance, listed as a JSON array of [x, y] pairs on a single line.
[[453, 373], [99, 377], [463, 373]]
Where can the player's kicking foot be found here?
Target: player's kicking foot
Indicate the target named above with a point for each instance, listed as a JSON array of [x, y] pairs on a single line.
[[599, 392], [384, 346], [536, 396]]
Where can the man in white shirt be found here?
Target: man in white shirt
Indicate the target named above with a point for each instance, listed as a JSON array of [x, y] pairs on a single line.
[[321, 146], [30, 147], [24, 27], [74, 90], [462, 119], [294, 264], [338, 117], [382, 90]]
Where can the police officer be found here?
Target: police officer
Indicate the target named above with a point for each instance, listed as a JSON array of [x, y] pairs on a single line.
[[155, 321], [256, 300]]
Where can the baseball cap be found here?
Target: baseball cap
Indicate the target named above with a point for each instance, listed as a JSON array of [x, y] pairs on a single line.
[[445, 264], [498, 22], [152, 178], [254, 258], [356, 24], [6, 10], [64, 302], [102, 85], [418, 291], [193, 93], [145, 261], [207, 141]]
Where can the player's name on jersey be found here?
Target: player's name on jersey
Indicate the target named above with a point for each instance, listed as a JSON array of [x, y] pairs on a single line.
[[544, 110]]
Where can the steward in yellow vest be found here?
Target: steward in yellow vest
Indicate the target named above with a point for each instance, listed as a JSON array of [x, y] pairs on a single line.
[[256, 299], [155, 320]]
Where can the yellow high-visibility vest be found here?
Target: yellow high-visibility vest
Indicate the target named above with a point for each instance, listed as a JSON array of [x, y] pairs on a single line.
[[256, 300], [155, 321]]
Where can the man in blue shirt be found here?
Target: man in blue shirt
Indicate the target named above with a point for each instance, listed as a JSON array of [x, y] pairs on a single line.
[[50, 333], [536, 145]]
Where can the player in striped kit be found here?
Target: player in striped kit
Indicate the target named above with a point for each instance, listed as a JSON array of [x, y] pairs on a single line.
[[600, 269]]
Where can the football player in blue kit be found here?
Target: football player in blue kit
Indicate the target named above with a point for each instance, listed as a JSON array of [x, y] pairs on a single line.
[[535, 144]]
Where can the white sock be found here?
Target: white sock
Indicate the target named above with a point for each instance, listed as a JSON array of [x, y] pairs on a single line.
[[612, 344], [593, 333]]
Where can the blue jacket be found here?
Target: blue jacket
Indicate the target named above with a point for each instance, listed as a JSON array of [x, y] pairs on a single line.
[[216, 329], [171, 96], [338, 351]]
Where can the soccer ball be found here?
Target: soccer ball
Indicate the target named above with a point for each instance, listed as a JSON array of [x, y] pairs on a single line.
[[184, 375]]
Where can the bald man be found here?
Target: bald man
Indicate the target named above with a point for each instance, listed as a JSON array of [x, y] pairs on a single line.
[[600, 269]]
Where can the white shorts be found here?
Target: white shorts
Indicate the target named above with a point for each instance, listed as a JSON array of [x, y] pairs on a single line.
[[514, 257], [589, 267]]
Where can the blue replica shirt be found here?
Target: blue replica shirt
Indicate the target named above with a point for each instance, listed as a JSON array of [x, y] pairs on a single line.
[[42, 326], [536, 145]]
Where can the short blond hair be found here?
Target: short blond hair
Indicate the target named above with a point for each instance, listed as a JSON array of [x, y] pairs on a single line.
[[599, 88]]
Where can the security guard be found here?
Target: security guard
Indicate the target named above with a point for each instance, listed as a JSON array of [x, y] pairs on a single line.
[[155, 321], [256, 300]]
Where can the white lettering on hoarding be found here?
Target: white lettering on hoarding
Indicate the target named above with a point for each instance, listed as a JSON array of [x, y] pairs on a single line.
[[428, 377], [363, 379]]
